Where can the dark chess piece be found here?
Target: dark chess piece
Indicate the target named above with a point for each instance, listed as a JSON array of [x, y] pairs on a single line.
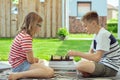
[[61, 58], [66, 58], [51, 58]]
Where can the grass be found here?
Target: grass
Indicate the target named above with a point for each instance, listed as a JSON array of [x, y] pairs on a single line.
[[4, 48], [82, 35], [44, 48]]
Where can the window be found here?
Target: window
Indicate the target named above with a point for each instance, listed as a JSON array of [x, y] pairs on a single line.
[[83, 7]]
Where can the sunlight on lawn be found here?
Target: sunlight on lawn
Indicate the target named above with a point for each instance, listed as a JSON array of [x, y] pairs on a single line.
[[44, 48], [81, 35]]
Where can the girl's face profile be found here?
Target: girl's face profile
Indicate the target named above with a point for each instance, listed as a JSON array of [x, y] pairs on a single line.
[[38, 27]]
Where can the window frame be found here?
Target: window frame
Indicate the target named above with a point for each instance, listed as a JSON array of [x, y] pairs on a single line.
[[78, 7]]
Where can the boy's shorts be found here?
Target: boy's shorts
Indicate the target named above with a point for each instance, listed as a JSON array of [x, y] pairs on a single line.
[[102, 70], [22, 67]]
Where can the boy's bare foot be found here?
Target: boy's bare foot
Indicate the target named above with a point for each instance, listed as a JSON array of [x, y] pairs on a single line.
[[85, 75]]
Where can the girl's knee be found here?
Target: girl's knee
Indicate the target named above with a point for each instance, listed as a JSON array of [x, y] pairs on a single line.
[[50, 73]]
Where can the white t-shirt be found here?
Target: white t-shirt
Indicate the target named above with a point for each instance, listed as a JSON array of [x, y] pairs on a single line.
[[105, 41]]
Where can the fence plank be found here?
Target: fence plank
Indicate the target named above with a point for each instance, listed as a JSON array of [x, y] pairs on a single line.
[[45, 17], [3, 18], [48, 19], [13, 25], [54, 15], [59, 14], [7, 17], [25, 7], [32, 4], [20, 14], [40, 11], [50, 11]]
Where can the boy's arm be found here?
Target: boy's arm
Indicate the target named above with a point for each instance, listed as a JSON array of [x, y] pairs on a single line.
[[91, 51], [93, 57]]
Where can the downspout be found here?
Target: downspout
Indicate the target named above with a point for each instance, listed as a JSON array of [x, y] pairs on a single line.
[[67, 15], [63, 15], [119, 21]]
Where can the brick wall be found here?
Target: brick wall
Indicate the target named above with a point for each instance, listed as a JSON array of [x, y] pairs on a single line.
[[76, 26]]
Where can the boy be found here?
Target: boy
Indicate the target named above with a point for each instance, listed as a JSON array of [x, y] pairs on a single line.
[[104, 54]]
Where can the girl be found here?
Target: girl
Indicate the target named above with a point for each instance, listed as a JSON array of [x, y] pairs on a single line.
[[21, 58]]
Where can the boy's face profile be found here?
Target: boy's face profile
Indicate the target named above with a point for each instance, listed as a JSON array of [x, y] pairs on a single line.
[[89, 26]]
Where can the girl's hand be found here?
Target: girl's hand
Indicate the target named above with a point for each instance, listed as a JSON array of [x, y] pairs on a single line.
[[36, 60], [41, 61]]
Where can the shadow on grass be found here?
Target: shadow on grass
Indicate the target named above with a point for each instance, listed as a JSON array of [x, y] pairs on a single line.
[[77, 45]]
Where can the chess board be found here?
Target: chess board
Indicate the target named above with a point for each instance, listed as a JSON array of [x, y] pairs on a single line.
[[61, 58], [63, 65]]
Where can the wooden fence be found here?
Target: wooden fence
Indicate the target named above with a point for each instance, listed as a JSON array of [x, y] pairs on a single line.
[[50, 11]]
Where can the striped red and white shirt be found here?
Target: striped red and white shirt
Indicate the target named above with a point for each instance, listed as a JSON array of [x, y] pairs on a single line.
[[21, 45]]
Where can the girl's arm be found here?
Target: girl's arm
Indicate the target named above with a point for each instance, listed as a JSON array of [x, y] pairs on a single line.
[[30, 57]]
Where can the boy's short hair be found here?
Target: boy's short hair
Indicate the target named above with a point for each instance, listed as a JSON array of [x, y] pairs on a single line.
[[90, 16]]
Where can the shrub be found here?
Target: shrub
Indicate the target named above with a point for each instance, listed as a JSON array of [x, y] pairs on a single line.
[[112, 25], [62, 33]]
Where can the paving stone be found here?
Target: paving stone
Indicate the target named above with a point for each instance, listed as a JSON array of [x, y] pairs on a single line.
[[5, 71]]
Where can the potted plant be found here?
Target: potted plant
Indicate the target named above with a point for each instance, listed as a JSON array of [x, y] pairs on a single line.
[[62, 33]]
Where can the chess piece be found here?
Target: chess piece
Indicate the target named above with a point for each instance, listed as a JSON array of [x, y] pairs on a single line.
[[71, 58], [61, 58], [66, 58], [51, 58]]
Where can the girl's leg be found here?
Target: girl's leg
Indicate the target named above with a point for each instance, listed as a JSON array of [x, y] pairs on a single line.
[[36, 70]]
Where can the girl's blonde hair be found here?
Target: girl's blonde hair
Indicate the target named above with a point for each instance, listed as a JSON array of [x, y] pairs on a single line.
[[30, 22]]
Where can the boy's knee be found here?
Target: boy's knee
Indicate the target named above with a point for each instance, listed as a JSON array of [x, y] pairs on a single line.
[[81, 65]]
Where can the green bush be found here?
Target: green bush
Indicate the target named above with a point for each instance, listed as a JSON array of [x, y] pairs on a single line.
[[62, 32], [112, 25]]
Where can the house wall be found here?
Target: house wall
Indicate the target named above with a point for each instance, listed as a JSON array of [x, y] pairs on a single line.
[[109, 15], [100, 6], [114, 14]]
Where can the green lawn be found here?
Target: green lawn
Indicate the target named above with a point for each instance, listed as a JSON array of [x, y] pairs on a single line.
[[82, 35], [43, 48]]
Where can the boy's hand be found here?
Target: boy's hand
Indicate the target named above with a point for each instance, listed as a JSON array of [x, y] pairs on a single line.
[[71, 53]]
